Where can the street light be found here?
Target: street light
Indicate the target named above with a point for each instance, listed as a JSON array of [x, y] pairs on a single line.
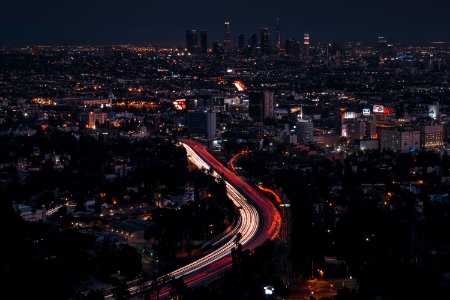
[[321, 274]]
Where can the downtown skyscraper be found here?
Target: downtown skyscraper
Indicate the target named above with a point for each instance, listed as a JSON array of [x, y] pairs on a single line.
[[265, 41], [227, 41], [204, 41], [278, 36], [191, 39]]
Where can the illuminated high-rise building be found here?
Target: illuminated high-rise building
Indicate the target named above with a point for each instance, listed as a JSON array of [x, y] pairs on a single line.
[[260, 106], [204, 41], [265, 41], [241, 42], [253, 43], [306, 43], [191, 39], [399, 139], [93, 119], [432, 136], [306, 40], [293, 48], [227, 41], [202, 123], [278, 36], [304, 130]]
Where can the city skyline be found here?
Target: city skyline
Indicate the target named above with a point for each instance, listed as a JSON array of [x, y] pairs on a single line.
[[230, 150], [103, 23], [133, 172]]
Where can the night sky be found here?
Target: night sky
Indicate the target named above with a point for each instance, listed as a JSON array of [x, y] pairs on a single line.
[[98, 22]]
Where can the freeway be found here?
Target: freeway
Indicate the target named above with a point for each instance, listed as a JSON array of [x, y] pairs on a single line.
[[269, 216], [258, 221], [283, 233]]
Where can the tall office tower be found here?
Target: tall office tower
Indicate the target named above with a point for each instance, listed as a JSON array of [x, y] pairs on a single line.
[[290, 47], [304, 130], [265, 41], [241, 42], [253, 43], [227, 42], [255, 108], [370, 131], [398, 139], [202, 123], [306, 43], [191, 39], [204, 41], [353, 129], [260, 106], [293, 47], [361, 128], [278, 36], [211, 124], [432, 136]]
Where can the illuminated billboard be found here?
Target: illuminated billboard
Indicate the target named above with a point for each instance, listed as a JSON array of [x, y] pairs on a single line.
[[433, 111], [366, 111], [349, 115], [377, 108], [179, 104], [344, 130], [239, 85]]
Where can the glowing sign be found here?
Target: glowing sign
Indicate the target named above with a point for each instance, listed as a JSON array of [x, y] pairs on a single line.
[[344, 132], [349, 115], [378, 108], [296, 109], [433, 111], [179, 104], [239, 85], [366, 111], [269, 290]]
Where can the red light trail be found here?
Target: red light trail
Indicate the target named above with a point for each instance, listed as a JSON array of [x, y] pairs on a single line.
[[259, 220]]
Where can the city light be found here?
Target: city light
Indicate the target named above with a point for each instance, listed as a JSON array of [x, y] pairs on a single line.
[[239, 85]]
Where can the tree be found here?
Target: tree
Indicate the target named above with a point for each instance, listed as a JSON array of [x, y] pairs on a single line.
[[94, 295], [147, 234], [130, 263], [178, 288], [120, 290], [238, 238]]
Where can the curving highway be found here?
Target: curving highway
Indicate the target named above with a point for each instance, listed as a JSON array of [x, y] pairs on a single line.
[[269, 216], [258, 221]]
